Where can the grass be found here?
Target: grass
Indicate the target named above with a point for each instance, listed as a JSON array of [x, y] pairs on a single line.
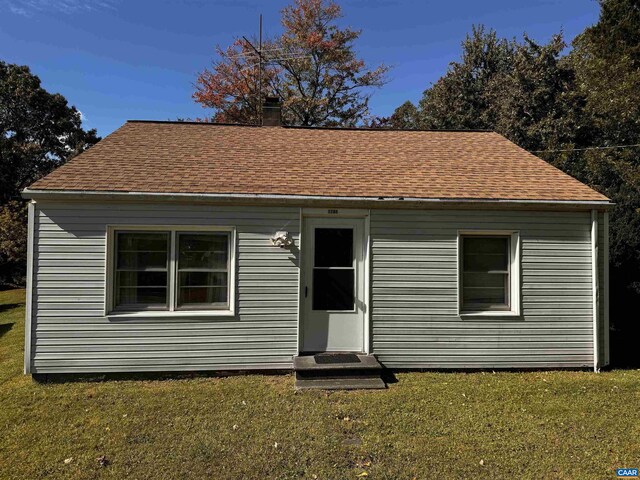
[[428, 425]]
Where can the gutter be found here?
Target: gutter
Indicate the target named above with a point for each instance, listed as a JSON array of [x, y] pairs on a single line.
[[307, 199]]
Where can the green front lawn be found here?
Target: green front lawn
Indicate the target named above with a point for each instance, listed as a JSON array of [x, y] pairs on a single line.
[[428, 425]]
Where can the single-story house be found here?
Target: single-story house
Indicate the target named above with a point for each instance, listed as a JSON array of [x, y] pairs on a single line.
[[177, 246]]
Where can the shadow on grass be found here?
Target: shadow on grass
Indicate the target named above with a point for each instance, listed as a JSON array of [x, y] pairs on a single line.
[[9, 306], [388, 376], [137, 376], [5, 327]]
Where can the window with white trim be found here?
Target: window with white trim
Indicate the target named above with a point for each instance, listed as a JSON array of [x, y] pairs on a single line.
[[142, 270], [203, 270], [489, 273], [175, 269]]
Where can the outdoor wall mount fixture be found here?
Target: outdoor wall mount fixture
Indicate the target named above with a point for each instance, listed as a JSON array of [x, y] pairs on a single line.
[[282, 239]]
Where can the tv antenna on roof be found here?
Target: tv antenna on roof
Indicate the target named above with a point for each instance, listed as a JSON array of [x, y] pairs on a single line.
[[260, 66], [268, 56]]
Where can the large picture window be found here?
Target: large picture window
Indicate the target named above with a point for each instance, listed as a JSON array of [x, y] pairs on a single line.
[[488, 273], [171, 270]]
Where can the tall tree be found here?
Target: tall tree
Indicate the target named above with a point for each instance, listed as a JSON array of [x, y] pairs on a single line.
[[232, 87], [312, 67], [458, 99], [534, 102], [606, 58], [523, 90], [38, 132]]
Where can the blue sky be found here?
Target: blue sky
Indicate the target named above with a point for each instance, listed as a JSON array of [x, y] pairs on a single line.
[[138, 59]]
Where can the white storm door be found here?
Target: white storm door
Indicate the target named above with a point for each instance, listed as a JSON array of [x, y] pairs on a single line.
[[333, 285]]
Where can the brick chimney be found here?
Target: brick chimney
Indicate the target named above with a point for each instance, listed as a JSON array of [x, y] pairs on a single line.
[[272, 112]]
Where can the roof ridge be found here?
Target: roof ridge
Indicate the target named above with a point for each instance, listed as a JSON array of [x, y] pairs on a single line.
[[193, 122], [311, 127]]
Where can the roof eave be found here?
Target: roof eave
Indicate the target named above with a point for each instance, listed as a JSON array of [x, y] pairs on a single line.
[[373, 202]]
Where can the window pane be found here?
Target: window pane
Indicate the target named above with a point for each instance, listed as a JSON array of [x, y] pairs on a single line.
[[485, 262], [477, 280], [485, 244], [203, 251], [492, 291], [485, 254], [152, 241], [333, 247], [202, 295], [333, 289], [141, 269], [142, 260], [203, 260], [485, 270], [142, 279], [203, 279], [142, 296]]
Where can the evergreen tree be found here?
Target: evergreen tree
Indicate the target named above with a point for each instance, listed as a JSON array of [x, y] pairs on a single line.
[[606, 59]]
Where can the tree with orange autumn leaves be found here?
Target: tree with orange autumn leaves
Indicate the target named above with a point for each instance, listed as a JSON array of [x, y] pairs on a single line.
[[312, 67]]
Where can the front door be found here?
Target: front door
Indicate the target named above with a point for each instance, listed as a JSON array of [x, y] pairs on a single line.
[[333, 285]]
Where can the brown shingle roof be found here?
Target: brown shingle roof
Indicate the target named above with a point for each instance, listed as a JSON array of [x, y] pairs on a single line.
[[163, 157]]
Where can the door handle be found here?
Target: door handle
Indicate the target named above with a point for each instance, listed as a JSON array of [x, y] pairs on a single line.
[[306, 291]]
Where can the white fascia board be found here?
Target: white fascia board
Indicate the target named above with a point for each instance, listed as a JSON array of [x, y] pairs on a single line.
[[100, 195]]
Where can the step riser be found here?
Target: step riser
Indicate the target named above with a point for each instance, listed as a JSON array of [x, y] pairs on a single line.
[[335, 375], [308, 363], [365, 374], [355, 384]]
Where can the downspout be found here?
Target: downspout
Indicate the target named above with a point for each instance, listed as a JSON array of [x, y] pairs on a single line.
[[29, 299], [594, 287], [605, 279]]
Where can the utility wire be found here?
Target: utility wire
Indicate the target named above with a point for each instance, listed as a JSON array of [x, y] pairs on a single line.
[[586, 148]]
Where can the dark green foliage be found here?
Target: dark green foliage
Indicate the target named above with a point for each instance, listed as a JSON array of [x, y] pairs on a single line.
[[459, 99], [405, 117], [13, 241], [536, 104], [546, 101], [38, 132], [606, 58], [526, 91], [607, 61]]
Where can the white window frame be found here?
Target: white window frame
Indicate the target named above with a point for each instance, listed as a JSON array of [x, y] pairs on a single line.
[[172, 311], [514, 274]]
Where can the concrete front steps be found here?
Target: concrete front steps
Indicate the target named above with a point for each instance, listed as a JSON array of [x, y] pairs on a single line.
[[338, 371]]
